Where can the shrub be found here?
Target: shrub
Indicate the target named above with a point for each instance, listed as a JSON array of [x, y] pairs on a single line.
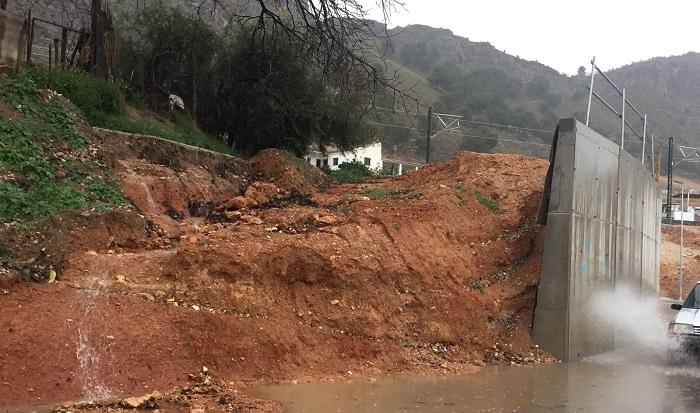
[[350, 172]]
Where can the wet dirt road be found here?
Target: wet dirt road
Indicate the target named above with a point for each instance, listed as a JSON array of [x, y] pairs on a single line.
[[606, 384]]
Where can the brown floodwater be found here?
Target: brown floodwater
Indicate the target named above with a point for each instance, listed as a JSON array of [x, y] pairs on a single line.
[[607, 384]]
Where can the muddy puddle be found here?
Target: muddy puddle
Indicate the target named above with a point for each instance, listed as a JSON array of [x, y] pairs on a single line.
[[604, 385]]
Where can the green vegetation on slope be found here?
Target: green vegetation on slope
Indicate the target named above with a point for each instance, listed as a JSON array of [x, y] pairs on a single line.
[[103, 105], [45, 165]]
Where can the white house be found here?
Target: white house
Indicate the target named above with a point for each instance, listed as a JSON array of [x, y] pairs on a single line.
[[370, 156], [687, 215]]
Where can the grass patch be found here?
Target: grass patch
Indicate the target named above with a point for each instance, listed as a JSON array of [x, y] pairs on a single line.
[[487, 201], [181, 132], [39, 182], [482, 198], [44, 198], [102, 103], [96, 98], [20, 154]]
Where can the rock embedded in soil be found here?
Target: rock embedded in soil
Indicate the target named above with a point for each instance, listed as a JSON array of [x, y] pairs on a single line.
[[147, 401]]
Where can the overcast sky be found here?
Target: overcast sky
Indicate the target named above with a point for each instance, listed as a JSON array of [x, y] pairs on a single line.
[[566, 34]]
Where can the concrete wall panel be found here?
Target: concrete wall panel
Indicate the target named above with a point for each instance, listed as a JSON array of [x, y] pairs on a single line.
[[602, 231], [10, 40]]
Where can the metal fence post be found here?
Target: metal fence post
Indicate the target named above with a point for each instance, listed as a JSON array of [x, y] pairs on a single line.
[[644, 140], [622, 116], [590, 91], [430, 127], [653, 156], [669, 188], [680, 253]]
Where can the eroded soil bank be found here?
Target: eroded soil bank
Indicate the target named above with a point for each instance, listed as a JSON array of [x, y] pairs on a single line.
[[265, 272]]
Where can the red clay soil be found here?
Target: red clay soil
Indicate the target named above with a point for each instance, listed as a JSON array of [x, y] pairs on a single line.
[[434, 271], [670, 250]]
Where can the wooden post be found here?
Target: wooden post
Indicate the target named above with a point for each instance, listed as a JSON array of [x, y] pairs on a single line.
[[50, 55], [64, 46], [55, 52], [30, 37]]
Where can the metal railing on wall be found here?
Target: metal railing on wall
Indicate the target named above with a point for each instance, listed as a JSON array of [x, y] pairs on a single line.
[[622, 113]]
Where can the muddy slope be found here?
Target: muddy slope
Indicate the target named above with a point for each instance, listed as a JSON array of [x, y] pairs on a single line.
[[283, 279]]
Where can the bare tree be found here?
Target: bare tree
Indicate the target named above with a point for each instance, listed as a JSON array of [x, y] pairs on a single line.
[[336, 35]]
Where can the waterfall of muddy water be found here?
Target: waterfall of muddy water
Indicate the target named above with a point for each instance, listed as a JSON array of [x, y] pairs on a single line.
[[87, 353], [149, 197]]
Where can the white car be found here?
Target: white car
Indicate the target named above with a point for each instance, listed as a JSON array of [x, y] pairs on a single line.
[[684, 329]]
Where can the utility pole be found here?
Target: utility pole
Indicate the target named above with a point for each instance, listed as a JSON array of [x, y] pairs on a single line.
[[680, 252], [427, 135], [669, 189]]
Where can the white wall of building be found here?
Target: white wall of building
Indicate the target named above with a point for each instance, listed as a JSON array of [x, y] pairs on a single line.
[[370, 156], [686, 216]]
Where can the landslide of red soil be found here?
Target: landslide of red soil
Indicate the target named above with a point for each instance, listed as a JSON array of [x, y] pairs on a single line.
[[432, 271], [670, 250]]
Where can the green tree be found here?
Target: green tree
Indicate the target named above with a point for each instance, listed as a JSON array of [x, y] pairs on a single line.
[[267, 96]]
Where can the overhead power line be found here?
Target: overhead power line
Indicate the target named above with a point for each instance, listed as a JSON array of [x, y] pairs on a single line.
[[462, 120], [465, 135]]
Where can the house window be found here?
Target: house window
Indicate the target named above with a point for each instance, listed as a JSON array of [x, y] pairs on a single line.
[[318, 163], [368, 161], [325, 162], [335, 161]]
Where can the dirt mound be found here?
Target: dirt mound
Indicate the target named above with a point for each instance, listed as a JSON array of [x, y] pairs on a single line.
[[165, 195], [288, 172], [50, 241], [670, 251], [432, 271]]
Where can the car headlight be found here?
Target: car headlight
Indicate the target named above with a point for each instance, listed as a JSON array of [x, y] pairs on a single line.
[[674, 328]]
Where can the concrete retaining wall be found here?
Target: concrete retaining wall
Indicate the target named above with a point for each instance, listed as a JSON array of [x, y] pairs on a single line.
[[11, 40], [603, 231]]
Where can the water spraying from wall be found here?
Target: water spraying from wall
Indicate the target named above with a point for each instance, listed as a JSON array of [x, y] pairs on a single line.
[[87, 352], [639, 322]]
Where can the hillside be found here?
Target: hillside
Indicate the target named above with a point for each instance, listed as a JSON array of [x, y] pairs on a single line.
[[482, 83], [259, 270], [531, 94], [669, 90]]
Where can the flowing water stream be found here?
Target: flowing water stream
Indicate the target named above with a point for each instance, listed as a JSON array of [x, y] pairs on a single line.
[[88, 351]]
